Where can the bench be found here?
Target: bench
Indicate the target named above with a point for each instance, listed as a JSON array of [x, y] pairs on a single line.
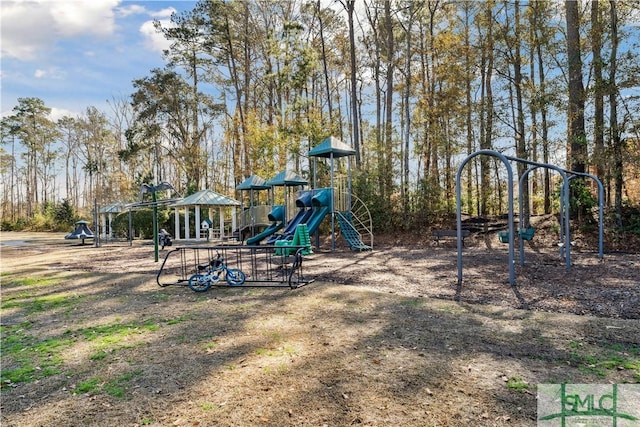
[[439, 234]]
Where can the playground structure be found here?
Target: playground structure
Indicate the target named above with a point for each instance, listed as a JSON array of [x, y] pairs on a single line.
[[262, 266], [527, 233], [335, 202], [286, 232]]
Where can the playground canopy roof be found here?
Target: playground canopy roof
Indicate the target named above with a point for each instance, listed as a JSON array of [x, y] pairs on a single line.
[[115, 207], [254, 182], [332, 146], [206, 198], [286, 178]]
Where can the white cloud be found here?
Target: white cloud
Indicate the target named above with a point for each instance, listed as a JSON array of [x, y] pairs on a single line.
[[50, 73], [634, 17], [133, 9], [86, 17], [154, 40], [30, 27], [26, 28], [58, 113], [164, 13]]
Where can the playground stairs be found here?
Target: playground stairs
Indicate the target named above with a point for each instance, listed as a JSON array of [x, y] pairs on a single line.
[[350, 233], [300, 238]]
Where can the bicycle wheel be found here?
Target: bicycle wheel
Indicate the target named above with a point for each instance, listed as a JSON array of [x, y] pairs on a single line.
[[235, 277], [199, 283]]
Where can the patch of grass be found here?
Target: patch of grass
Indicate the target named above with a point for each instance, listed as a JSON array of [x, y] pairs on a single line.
[[449, 308], [274, 336], [89, 386], [26, 359], [118, 387], [177, 320], [280, 351], [114, 388], [12, 301], [32, 304], [278, 369], [108, 336], [289, 350], [146, 421], [161, 297], [50, 302], [98, 355], [32, 281], [605, 358], [412, 302], [210, 345], [206, 406], [264, 352], [516, 383]]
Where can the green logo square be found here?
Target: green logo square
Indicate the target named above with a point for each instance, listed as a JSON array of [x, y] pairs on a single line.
[[588, 405]]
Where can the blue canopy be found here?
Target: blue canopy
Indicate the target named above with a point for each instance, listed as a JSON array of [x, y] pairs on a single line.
[[254, 182], [286, 178], [332, 146]]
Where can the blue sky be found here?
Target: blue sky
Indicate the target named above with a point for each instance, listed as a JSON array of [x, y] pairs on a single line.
[[79, 53]]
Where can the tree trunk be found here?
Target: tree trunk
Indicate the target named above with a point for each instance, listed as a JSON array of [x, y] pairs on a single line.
[[468, 104], [521, 146], [542, 88], [615, 137], [354, 82], [388, 150], [487, 110], [598, 90], [577, 140]]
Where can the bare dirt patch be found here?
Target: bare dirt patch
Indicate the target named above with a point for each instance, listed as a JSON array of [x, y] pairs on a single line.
[[381, 338]]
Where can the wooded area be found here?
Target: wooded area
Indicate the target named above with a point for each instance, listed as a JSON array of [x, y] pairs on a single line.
[[413, 86]]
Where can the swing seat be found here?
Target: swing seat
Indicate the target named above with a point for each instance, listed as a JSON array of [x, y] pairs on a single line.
[[527, 233], [503, 236]]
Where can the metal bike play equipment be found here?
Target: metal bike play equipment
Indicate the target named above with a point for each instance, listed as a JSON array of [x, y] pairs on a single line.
[[210, 275], [261, 266], [565, 229]]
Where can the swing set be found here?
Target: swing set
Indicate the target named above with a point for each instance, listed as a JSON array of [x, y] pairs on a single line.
[[526, 233]]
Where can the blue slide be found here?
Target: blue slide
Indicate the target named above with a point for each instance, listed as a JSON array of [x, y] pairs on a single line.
[[303, 202], [321, 206], [277, 216]]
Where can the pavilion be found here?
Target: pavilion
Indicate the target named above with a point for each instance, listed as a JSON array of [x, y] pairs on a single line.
[[209, 200]]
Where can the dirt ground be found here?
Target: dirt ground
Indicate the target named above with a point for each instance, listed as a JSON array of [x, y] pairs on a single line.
[[380, 338]]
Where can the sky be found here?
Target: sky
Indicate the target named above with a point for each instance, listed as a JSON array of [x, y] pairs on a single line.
[[74, 54]]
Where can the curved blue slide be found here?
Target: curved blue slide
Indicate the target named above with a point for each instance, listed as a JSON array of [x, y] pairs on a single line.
[[320, 207], [303, 202], [321, 203], [277, 216]]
